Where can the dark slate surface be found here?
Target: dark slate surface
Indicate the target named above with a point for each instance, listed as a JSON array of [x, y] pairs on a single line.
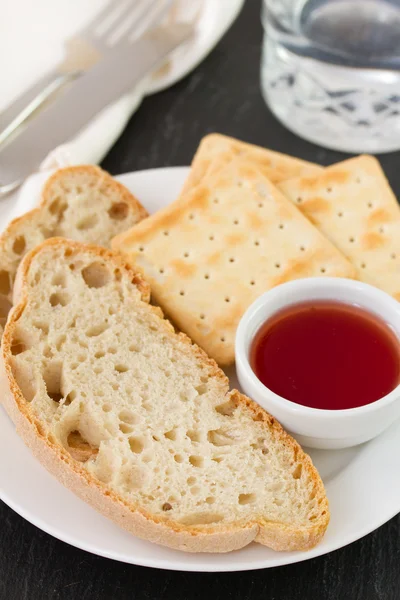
[[221, 95]]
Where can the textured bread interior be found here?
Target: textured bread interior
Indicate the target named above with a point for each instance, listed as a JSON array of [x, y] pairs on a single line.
[[211, 253], [275, 166], [81, 203], [141, 408], [352, 204]]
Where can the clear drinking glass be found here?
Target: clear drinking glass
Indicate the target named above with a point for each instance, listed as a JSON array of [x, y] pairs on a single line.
[[330, 71]]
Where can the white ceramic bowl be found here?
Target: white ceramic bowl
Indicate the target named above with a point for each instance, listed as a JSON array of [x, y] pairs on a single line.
[[314, 427]]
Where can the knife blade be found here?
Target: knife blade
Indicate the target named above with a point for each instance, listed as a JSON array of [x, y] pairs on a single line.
[[101, 85]]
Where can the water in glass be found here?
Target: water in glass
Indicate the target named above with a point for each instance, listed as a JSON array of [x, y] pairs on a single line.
[[331, 71]]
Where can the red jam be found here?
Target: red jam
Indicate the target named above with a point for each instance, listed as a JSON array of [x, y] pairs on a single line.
[[327, 355]]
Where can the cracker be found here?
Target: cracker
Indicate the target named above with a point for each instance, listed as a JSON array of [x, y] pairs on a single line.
[[211, 253], [353, 205], [275, 166]]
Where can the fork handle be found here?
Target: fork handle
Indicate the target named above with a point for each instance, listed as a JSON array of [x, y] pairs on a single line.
[[31, 101]]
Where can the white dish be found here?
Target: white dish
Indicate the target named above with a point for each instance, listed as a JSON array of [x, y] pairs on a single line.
[[362, 483], [313, 427]]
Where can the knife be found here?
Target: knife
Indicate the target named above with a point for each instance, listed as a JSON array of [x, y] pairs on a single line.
[[101, 85]]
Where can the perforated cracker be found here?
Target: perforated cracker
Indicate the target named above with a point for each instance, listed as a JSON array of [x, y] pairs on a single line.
[[353, 205], [210, 254], [275, 166]]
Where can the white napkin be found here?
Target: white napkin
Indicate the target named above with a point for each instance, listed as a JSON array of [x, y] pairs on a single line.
[[34, 44]]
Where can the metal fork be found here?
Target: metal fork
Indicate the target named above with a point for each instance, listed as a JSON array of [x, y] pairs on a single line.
[[120, 21]]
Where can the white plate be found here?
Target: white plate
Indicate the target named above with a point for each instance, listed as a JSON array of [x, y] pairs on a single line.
[[363, 483]]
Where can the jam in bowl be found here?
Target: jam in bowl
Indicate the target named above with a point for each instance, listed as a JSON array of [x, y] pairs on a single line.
[[323, 356]]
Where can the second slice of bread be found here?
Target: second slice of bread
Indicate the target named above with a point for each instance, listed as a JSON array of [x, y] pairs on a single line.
[[137, 420], [83, 203]]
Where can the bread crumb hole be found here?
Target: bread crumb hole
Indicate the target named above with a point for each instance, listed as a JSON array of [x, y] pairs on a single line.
[[107, 408], [297, 472], [17, 347], [126, 416], [178, 458], [246, 499], [88, 222], [226, 409], [79, 448], [96, 330], [222, 339], [56, 397], [57, 207], [201, 389], [112, 350], [166, 232], [181, 293], [236, 222], [43, 327], [206, 276], [99, 354], [69, 398], [171, 435], [194, 436], [5, 283], [219, 437], [59, 279], [125, 428], [351, 240], [231, 260], [205, 518], [118, 211], [166, 506], [60, 342], [323, 270], [191, 480], [217, 459], [256, 243], [210, 499], [121, 368], [59, 299], [19, 245], [136, 444], [196, 461], [96, 275], [277, 266], [252, 282]]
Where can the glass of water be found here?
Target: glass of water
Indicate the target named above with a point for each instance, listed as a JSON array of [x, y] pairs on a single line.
[[330, 71]]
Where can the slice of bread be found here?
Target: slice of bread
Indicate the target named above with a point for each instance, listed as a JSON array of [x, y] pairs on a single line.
[[211, 253], [83, 203], [275, 166], [138, 421]]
